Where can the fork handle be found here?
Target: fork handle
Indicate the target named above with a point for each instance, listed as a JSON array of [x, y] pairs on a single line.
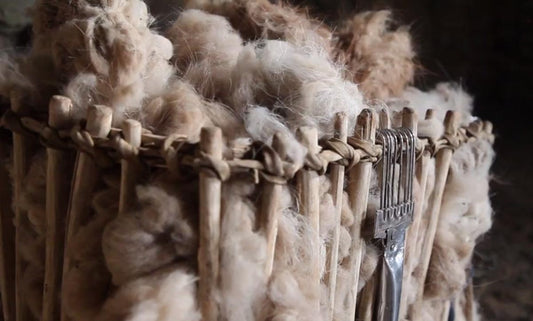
[[391, 276]]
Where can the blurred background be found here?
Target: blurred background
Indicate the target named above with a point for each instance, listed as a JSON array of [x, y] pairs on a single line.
[[487, 47]]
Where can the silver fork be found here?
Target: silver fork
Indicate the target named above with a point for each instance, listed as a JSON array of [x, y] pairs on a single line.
[[394, 215]]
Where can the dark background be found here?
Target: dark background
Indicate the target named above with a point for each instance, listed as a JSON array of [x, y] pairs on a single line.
[[487, 46]]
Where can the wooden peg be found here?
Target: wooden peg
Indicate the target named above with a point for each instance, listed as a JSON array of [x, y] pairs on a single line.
[[269, 207], [58, 177], [209, 240], [337, 184], [442, 165], [86, 177], [358, 188], [21, 163], [309, 196], [131, 169]]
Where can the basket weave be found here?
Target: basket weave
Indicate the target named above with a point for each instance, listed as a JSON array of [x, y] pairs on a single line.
[[97, 144]]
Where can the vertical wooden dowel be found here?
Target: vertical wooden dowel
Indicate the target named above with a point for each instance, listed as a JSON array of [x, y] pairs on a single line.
[[269, 208], [442, 165], [210, 204], [358, 189], [21, 155], [409, 120], [58, 178], [337, 184], [7, 242], [367, 301], [86, 177], [470, 302], [309, 195], [131, 169], [424, 216], [445, 310], [365, 310]]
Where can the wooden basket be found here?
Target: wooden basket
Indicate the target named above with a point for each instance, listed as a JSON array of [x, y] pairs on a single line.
[[77, 151]]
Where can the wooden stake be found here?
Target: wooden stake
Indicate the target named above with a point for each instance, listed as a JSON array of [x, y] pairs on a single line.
[[358, 188], [269, 208], [309, 195], [131, 169], [337, 183], [422, 168], [21, 158], [58, 178], [445, 310], [7, 242], [366, 308], [442, 165], [209, 243], [86, 177]]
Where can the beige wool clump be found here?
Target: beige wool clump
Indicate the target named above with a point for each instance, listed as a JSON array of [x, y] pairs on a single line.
[[87, 279], [105, 49], [206, 49], [180, 110], [157, 233], [261, 19], [166, 295], [32, 229], [466, 214], [377, 57]]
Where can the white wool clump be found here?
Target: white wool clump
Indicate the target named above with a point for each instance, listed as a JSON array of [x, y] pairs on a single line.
[[242, 255], [465, 215], [299, 83], [167, 295], [155, 234], [206, 49], [262, 124], [445, 96], [292, 295]]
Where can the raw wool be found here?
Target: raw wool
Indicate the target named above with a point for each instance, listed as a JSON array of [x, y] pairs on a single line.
[[105, 48], [262, 124], [87, 281], [206, 49], [180, 110], [10, 75], [242, 254], [157, 233], [299, 83], [378, 57], [370, 254], [32, 229], [465, 215], [292, 295], [445, 96], [166, 295], [261, 19]]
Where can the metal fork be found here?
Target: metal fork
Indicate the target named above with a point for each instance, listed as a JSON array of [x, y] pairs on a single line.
[[394, 215]]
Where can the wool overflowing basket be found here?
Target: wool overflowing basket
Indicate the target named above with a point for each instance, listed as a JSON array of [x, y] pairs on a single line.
[[250, 163]]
